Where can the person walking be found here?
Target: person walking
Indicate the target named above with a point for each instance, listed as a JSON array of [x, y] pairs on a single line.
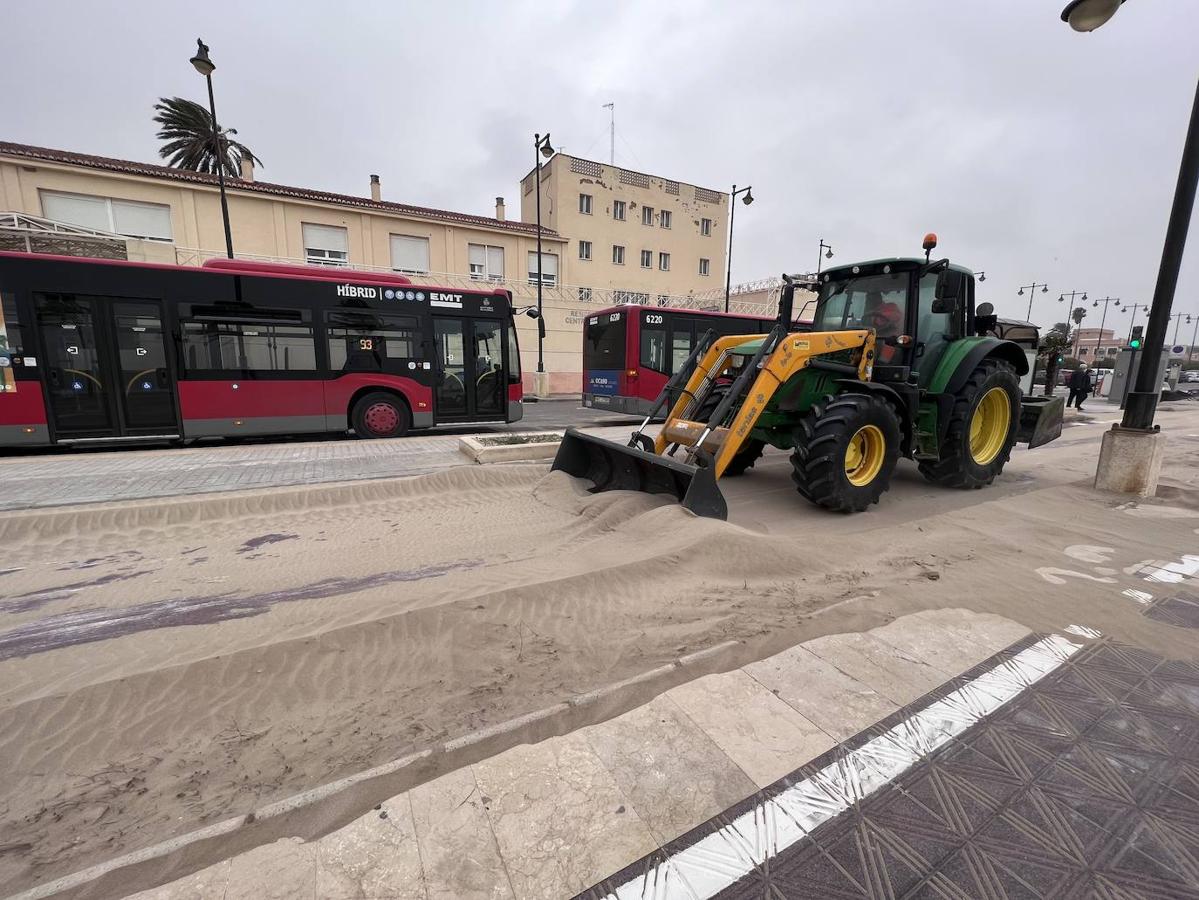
[[1080, 387]]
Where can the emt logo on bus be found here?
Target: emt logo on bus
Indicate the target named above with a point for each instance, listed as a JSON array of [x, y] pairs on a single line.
[[353, 290]]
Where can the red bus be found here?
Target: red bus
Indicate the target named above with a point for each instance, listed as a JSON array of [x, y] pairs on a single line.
[[98, 351], [629, 352]]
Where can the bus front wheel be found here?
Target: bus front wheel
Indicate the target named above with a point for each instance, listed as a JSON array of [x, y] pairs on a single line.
[[380, 415]]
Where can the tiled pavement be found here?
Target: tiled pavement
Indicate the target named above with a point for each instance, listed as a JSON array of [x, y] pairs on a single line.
[[555, 818], [1085, 784]]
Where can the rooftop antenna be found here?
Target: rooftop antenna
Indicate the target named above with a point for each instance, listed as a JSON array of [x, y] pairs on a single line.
[[612, 134]]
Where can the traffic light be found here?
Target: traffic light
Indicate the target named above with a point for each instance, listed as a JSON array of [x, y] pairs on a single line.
[[1135, 340], [1060, 360]]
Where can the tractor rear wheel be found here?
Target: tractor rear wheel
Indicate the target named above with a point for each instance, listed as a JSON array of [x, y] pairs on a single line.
[[845, 452], [982, 429]]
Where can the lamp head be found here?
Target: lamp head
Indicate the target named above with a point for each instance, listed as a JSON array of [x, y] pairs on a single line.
[[1087, 15], [749, 197], [200, 62], [546, 149]]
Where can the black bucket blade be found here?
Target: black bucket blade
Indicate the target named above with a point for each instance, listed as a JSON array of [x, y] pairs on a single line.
[[616, 467], [1040, 420]]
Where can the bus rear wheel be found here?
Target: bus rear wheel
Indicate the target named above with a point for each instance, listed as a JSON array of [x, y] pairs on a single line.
[[380, 415]]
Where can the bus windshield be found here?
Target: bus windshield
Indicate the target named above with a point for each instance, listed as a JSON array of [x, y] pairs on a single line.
[[604, 342]]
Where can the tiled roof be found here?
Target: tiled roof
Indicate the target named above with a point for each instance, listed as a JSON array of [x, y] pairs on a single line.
[[45, 154]]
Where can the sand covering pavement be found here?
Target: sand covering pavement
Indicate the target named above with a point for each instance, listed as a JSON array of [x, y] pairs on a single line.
[[166, 664]]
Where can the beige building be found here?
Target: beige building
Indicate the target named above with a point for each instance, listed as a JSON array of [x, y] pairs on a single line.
[[59, 201], [1090, 344], [647, 239]]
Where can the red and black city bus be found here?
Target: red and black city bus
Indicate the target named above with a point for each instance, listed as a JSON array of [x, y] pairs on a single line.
[[629, 352], [95, 351]]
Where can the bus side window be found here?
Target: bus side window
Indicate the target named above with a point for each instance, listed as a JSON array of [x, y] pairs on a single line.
[[653, 348], [364, 342], [681, 342]]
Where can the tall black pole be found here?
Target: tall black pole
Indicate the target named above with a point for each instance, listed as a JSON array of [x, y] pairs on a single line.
[[728, 276], [537, 187], [1142, 400], [220, 167]]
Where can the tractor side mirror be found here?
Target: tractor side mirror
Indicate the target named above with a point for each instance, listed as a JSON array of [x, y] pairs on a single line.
[[951, 290], [985, 320]]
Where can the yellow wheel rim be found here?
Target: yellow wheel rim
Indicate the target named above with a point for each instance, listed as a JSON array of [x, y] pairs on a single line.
[[989, 425], [864, 456]]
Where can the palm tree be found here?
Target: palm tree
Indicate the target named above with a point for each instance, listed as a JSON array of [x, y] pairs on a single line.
[[187, 130]]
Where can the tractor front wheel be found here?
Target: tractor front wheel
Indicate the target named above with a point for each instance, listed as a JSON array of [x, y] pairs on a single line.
[[845, 452], [982, 429]]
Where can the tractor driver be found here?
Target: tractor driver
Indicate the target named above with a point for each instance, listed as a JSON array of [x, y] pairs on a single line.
[[886, 318]]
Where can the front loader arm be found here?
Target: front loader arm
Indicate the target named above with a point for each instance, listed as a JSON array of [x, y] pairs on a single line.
[[794, 352]]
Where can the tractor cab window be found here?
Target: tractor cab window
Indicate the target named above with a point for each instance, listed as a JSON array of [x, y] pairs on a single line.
[[934, 330], [864, 301]]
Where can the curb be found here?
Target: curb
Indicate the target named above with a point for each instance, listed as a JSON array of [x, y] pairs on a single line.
[[348, 797]]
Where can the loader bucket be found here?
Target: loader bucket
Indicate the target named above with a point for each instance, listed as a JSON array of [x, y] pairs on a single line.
[[1040, 420], [615, 467]]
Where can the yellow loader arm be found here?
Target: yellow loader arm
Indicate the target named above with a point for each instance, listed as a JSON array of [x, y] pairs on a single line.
[[795, 352]]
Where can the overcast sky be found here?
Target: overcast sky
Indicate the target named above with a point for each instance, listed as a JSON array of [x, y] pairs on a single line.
[[1035, 153]]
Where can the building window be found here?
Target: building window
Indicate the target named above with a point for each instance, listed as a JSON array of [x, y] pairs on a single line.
[[664, 262], [647, 259], [618, 254], [1082, 352], [325, 245], [618, 210], [148, 221], [549, 268], [486, 262], [704, 266], [664, 218], [647, 215], [584, 295], [705, 227], [410, 254], [585, 204], [584, 249]]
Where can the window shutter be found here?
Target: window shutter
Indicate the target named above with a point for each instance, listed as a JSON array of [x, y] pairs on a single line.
[[495, 262], [87, 212], [409, 253], [146, 220], [478, 255], [326, 237]]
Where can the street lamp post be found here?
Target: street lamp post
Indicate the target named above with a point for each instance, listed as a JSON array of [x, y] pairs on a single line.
[[1032, 291], [819, 254], [1103, 319], [1087, 15], [747, 200], [1194, 335], [1070, 317], [206, 67], [541, 147], [1133, 323]]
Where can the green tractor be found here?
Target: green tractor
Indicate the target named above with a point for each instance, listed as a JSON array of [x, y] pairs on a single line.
[[898, 362]]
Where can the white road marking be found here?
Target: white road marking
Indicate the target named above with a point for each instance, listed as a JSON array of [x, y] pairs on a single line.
[[719, 860]]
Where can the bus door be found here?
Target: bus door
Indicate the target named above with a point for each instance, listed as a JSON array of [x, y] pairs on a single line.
[[471, 380], [105, 365]]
